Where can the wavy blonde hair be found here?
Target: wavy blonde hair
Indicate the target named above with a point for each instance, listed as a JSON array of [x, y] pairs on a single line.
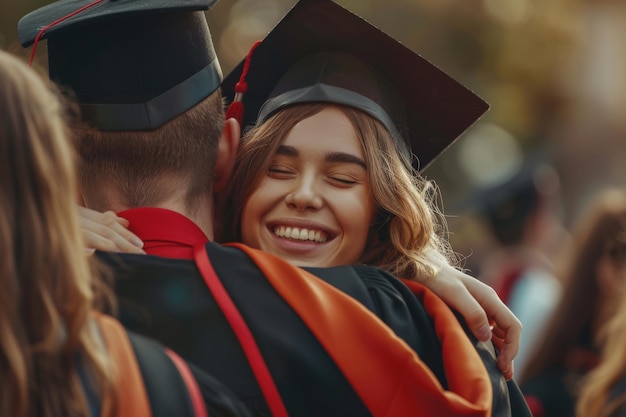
[[603, 225], [408, 235], [46, 290], [595, 396]]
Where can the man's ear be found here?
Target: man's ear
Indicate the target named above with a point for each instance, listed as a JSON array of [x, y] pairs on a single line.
[[226, 153]]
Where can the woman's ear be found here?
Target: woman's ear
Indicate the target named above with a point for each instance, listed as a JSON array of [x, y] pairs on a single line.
[[226, 153]]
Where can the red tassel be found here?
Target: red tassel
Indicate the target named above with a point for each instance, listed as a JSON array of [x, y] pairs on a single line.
[[236, 108]]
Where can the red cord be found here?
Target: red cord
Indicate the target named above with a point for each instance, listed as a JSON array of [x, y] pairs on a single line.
[[242, 332], [56, 22], [197, 402]]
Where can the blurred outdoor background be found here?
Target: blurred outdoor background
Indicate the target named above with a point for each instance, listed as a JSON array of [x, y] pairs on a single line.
[[554, 72]]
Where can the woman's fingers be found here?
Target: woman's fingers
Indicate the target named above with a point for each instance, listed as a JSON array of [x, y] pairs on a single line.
[[108, 232], [484, 312]]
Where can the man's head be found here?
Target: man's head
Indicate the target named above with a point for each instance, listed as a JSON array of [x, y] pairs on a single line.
[[147, 81], [149, 168]]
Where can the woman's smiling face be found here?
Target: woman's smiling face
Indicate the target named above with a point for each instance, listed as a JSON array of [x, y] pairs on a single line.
[[314, 206]]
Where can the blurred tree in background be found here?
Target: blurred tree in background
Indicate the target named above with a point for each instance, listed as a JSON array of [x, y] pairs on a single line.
[[552, 70]]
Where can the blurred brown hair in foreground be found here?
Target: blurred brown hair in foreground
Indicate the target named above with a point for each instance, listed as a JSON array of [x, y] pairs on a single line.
[[46, 287]]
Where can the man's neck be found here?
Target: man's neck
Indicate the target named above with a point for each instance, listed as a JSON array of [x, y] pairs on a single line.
[[201, 214]]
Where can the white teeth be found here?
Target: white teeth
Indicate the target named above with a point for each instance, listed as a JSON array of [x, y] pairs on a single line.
[[297, 233]]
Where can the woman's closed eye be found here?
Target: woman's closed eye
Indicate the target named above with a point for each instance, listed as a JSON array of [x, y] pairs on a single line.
[[343, 180], [279, 171]]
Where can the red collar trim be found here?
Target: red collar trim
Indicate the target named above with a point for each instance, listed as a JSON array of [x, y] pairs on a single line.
[[164, 232]]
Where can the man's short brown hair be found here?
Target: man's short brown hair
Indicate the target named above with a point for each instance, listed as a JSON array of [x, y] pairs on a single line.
[[146, 167]]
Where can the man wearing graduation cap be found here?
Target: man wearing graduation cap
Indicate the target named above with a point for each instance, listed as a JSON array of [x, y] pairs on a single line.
[[146, 77]]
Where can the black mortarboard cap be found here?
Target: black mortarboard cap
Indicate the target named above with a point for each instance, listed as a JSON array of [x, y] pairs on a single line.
[[322, 52], [131, 64]]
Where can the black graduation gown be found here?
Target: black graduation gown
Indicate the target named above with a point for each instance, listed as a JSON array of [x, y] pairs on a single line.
[[167, 299]]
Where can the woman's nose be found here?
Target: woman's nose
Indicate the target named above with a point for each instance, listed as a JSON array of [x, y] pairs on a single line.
[[304, 197]]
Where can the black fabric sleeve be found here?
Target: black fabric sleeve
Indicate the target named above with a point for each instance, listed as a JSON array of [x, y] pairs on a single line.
[[519, 407], [220, 401], [165, 387], [167, 390]]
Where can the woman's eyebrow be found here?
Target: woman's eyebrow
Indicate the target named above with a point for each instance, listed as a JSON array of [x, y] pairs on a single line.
[[287, 151], [345, 157]]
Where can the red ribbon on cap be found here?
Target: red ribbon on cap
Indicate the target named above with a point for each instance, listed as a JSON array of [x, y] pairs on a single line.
[[56, 22], [235, 110]]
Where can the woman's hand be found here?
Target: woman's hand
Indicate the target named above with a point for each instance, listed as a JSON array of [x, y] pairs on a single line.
[[485, 313], [107, 232]]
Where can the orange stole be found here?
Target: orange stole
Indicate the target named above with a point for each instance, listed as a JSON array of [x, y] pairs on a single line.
[[131, 391], [386, 373]]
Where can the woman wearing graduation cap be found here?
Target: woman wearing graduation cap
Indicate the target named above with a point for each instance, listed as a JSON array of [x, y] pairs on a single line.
[[335, 112], [349, 83]]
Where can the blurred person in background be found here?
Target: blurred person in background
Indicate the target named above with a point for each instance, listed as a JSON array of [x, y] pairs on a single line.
[[520, 214], [593, 278], [603, 393]]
